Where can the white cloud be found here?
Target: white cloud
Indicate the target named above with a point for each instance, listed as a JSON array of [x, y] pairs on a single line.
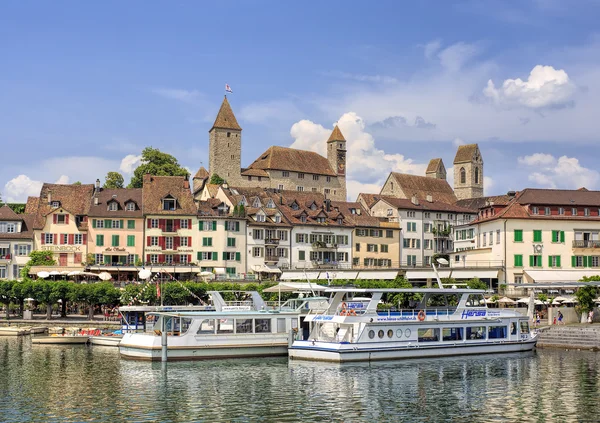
[[368, 166], [488, 184], [545, 87], [129, 163], [187, 96], [564, 172], [458, 142], [457, 55], [431, 48], [19, 188], [63, 180]]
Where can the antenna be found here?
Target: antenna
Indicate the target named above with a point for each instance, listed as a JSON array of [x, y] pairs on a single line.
[[440, 260]]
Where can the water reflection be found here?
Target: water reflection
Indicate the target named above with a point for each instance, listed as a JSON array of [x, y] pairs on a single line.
[[78, 383]]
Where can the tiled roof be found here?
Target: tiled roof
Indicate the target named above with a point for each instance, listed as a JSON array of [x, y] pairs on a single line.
[[563, 197], [479, 203], [210, 207], [26, 228], [435, 206], [212, 189], [369, 199], [465, 153], [32, 205], [434, 165], [202, 173], [158, 187], [7, 214], [421, 186], [255, 172], [291, 159], [122, 196], [225, 118], [75, 199], [362, 219], [336, 135]]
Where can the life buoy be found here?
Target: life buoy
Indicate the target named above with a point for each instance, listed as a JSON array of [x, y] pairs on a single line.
[[421, 315], [351, 312], [343, 312]]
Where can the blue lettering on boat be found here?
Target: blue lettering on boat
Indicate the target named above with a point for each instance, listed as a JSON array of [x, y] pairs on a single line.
[[323, 318], [395, 318], [473, 313]]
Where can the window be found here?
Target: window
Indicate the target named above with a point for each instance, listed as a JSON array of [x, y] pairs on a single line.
[[257, 234], [411, 227], [586, 211], [154, 258], [558, 236], [427, 227], [389, 233], [535, 261], [207, 242], [428, 335], [153, 241], [476, 332], [131, 240], [476, 175], [518, 235], [260, 217], [229, 255], [130, 206], [518, 260], [60, 218], [547, 211], [169, 259], [574, 211], [99, 240], [372, 248], [384, 248], [537, 235], [169, 204], [579, 261], [232, 226], [280, 187], [78, 239], [300, 175], [518, 279], [116, 224], [183, 224], [411, 260], [463, 175], [554, 261], [593, 261], [410, 214], [315, 177], [231, 242], [113, 206], [257, 252], [376, 233], [99, 258], [303, 219], [183, 241], [285, 174], [491, 237], [55, 204], [301, 238], [498, 236], [427, 215], [497, 332], [438, 215], [484, 242], [168, 243], [154, 223], [131, 224], [299, 188], [301, 255], [561, 210], [452, 334], [277, 219], [205, 255], [428, 244]]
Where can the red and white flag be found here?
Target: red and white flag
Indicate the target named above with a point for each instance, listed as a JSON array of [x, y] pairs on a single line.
[[228, 88], [157, 289]]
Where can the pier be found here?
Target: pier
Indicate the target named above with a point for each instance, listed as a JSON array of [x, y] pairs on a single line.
[[576, 336]]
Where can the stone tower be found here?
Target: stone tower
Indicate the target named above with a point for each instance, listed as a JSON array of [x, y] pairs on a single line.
[[225, 145], [436, 169], [468, 172], [336, 155]]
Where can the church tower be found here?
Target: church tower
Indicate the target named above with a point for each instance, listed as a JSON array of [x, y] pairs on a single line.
[[436, 169], [336, 155], [468, 172], [225, 145]]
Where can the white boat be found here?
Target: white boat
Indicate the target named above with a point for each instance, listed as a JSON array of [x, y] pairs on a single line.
[[13, 331], [224, 334], [60, 339], [446, 322], [106, 340], [38, 329]]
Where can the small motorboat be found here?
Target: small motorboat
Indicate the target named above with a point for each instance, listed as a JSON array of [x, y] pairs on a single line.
[[38, 329], [109, 340], [13, 331], [60, 339]]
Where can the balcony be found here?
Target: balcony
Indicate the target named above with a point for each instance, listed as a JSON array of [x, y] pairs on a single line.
[[272, 241], [586, 244], [271, 259], [5, 257], [322, 245]]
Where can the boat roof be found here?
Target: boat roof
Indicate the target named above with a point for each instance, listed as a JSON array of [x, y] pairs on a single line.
[[410, 290], [219, 314]]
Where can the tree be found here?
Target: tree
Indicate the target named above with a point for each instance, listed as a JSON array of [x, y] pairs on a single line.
[[77, 183], [6, 295], [113, 180], [37, 258], [156, 163], [216, 180], [586, 294], [42, 292], [476, 283]]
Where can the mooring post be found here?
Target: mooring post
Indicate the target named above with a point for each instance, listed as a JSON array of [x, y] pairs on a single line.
[[163, 339]]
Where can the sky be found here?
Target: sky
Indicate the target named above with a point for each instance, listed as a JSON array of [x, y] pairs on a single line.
[[85, 86]]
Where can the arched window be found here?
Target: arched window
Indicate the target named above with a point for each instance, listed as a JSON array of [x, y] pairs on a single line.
[[476, 175], [463, 175]]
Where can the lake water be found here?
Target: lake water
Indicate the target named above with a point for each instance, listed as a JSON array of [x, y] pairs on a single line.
[[46, 383]]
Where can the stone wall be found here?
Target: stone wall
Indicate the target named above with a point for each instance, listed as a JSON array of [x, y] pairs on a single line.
[[469, 189], [225, 154]]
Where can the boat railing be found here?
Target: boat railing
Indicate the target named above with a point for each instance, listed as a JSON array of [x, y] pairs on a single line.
[[433, 312]]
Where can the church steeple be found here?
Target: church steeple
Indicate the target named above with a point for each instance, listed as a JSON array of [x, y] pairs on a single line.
[[225, 118]]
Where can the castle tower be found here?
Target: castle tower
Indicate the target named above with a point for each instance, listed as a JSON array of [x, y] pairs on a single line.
[[336, 155], [225, 145], [468, 172], [436, 169]]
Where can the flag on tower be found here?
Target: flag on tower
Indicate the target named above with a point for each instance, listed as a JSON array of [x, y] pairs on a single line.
[[228, 88]]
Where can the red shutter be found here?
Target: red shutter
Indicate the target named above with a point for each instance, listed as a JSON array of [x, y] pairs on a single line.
[[189, 241], [60, 238], [84, 239], [176, 224], [189, 258], [54, 218], [43, 239], [161, 258], [148, 241], [162, 224], [147, 258], [176, 242], [55, 238], [189, 223], [149, 223], [71, 239], [67, 219], [176, 258], [161, 242]]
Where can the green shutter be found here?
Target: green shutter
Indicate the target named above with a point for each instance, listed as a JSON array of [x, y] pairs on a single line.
[[115, 240], [238, 256], [573, 261], [106, 259], [537, 236], [518, 235], [122, 259], [121, 224], [204, 242], [518, 260], [137, 258], [199, 255], [237, 226], [557, 261], [107, 223], [301, 255], [224, 255], [131, 240], [100, 240], [93, 223], [201, 225], [549, 261], [562, 236], [214, 225], [214, 256], [531, 261], [131, 224]]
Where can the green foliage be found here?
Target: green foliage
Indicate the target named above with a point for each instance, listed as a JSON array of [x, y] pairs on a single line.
[[216, 180], [37, 258], [241, 211], [113, 180], [476, 283], [77, 183], [586, 294], [156, 163], [18, 208]]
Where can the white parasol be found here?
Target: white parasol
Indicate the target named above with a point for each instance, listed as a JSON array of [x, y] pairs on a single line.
[[144, 274], [506, 300], [74, 273], [43, 274], [105, 276]]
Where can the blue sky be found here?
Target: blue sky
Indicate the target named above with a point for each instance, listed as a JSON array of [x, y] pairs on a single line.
[[85, 86]]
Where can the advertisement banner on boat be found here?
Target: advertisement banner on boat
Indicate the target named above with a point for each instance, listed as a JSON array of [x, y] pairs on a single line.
[[396, 318], [466, 314]]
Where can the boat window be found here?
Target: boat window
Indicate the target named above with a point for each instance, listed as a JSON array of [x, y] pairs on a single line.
[[390, 333], [371, 334], [407, 333], [452, 334], [380, 333], [513, 328], [452, 299], [496, 332], [186, 322], [476, 332], [262, 325], [429, 335], [474, 300], [207, 327], [524, 327], [436, 300], [224, 325], [243, 325], [399, 333], [281, 325]]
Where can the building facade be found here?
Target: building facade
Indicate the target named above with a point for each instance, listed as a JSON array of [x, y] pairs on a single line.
[[16, 242]]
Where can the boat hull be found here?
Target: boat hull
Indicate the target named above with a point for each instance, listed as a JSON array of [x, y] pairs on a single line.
[[109, 341], [202, 353], [66, 339], [14, 331], [341, 353]]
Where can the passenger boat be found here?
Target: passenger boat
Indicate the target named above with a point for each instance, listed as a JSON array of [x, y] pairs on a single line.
[[446, 322], [13, 331], [60, 339], [224, 334]]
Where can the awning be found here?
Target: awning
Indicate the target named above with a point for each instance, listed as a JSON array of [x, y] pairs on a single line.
[[377, 274], [426, 274], [116, 253], [300, 276], [2, 245], [471, 274], [33, 270], [295, 287], [338, 274], [554, 276], [270, 269]]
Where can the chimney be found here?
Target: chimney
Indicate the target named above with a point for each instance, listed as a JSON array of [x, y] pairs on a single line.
[[328, 205], [511, 194], [147, 178], [97, 185], [280, 199], [49, 197], [414, 200], [95, 201], [186, 184], [429, 198]]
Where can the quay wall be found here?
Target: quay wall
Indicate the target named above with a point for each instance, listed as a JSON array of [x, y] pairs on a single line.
[[67, 324], [580, 336]]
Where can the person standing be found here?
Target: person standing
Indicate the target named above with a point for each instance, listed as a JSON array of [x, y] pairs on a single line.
[[590, 318], [560, 318]]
